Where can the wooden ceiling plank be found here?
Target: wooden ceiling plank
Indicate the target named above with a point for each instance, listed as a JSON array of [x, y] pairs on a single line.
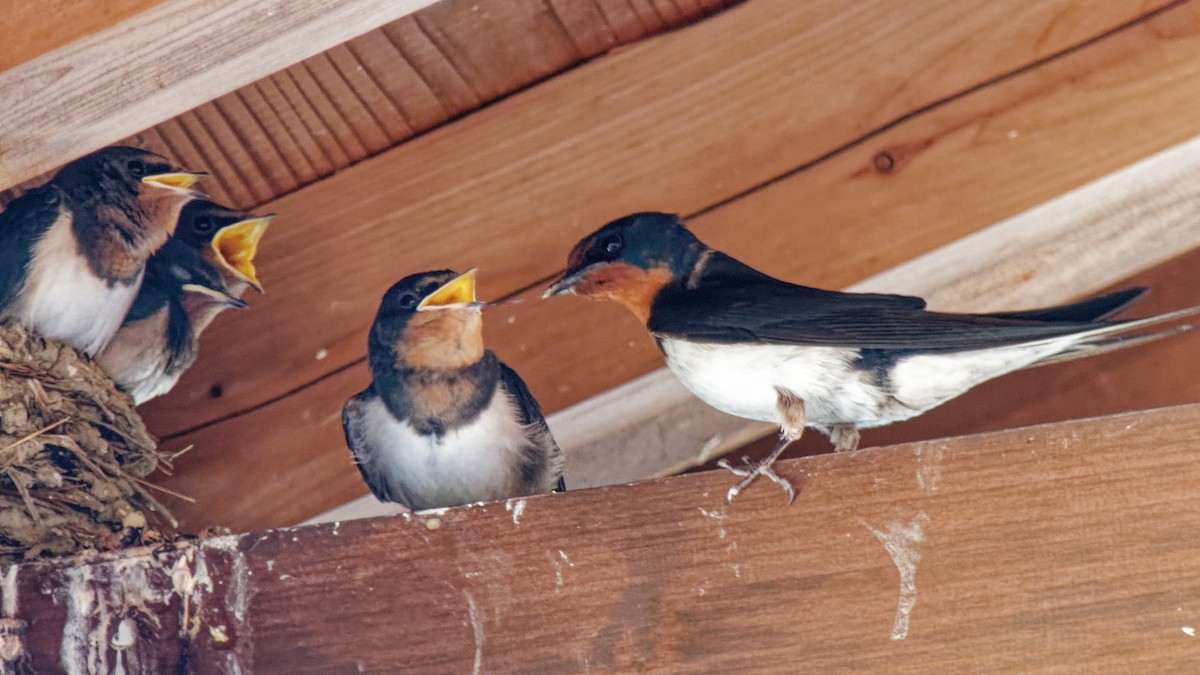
[[652, 426], [31, 29], [484, 182], [1059, 547], [174, 57]]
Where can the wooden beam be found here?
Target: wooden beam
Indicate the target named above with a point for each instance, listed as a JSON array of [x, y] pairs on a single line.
[[1076, 244], [1056, 547], [831, 224], [159, 63], [31, 29], [523, 179]]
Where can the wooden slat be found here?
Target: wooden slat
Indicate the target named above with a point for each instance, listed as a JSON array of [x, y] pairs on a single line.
[[382, 88], [520, 179], [31, 29], [159, 63], [859, 224], [1064, 547]]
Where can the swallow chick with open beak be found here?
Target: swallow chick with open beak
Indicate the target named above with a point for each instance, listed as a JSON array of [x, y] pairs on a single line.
[[444, 421], [201, 271], [73, 251], [764, 349]]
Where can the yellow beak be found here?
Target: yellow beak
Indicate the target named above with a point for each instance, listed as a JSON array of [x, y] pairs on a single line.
[[236, 246], [458, 293], [178, 180]]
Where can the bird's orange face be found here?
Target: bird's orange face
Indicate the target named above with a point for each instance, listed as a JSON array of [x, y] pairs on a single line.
[[629, 285], [445, 331]]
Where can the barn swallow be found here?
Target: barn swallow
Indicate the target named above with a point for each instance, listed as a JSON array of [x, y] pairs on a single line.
[[201, 271], [756, 347], [444, 422], [73, 251]]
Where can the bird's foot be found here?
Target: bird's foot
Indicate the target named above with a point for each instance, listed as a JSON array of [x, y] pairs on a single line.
[[749, 472]]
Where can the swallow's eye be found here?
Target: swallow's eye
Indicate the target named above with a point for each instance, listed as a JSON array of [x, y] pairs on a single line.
[[408, 301], [611, 245], [204, 224], [137, 168], [52, 197]]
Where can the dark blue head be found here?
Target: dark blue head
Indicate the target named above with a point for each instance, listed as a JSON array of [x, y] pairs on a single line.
[[629, 260], [226, 237], [125, 201], [429, 320]]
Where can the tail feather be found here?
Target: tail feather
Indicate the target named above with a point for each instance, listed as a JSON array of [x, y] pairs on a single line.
[[1091, 309], [1088, 349]]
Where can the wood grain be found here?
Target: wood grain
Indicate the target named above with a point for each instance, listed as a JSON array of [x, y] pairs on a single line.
[[523, 179], [1062, 547], [158, 63], [852, 224], [31, 29], [296, 126]]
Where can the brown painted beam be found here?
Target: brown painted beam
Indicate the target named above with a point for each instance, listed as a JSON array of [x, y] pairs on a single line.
[[1064, 546]]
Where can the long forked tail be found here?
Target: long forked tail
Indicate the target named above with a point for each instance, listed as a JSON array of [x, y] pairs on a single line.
[[1120, 335]]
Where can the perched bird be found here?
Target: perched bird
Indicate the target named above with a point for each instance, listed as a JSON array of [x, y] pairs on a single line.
[[764, 349], [73, 251], [201, 271], [444, 421]]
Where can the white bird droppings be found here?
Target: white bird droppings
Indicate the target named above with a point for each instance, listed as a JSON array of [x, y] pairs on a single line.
[[902, 544], [516, 507], [477, 627], [1188, 631]]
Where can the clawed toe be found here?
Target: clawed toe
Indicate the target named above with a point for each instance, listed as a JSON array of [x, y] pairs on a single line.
[[751, 471]]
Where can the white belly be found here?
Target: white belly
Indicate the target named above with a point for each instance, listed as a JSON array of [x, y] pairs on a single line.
[[742, 379], [63, 299], [478, 462]]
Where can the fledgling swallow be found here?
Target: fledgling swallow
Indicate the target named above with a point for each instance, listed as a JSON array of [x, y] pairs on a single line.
[[73, 251], [444, 421], [201, 271], [756, 347]]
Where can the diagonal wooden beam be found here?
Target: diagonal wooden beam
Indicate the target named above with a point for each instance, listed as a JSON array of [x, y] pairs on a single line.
[[1075, 244], [158, 64], [1059, 546]]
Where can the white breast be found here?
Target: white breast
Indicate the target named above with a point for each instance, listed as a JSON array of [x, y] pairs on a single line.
[[477, 462], [63, 299], [136, 359], [742, 380]]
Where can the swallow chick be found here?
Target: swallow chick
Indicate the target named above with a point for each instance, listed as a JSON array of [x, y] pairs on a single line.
[[444, 421], [73, 251], [202, 270], [764, 349]]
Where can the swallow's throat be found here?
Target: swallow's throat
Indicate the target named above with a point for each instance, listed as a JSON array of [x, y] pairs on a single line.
[[632, 286], [445, 339]]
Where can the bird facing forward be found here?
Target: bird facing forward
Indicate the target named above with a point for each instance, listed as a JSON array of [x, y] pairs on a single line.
[[444, 422], [73, 251], [201, 271], [764, 349]]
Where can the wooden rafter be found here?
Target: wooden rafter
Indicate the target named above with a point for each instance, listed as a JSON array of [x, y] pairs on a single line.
[[159, 63], [1062, 545]]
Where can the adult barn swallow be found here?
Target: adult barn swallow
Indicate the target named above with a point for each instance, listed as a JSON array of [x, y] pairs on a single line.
[[754, 346], [201, 271], [73, 251], [444, 421]]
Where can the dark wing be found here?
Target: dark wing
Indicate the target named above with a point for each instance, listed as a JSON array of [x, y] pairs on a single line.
[[352, 426], [732, 303], [545, 455], [1091, 309], [22, 223]]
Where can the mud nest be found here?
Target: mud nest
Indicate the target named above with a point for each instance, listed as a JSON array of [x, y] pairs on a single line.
[[73, 455]]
